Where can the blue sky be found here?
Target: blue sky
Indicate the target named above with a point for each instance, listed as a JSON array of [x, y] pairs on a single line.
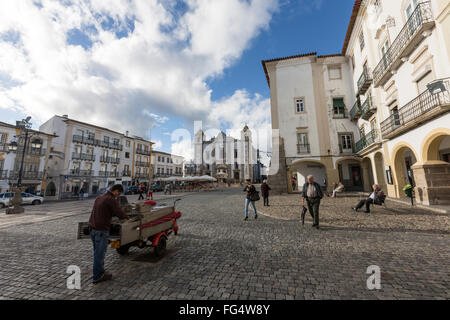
[[166, 62]]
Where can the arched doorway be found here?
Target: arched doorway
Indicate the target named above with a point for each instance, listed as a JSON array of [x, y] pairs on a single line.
[[380, 171], [302, 169], [433, 175], [50, 191], [368, 178], [350, 174], [404, 159]]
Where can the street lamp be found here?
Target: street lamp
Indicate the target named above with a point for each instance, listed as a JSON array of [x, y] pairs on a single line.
[[24, 125]]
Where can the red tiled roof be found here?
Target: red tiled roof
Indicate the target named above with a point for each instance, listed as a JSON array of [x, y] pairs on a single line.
[[351, 25]]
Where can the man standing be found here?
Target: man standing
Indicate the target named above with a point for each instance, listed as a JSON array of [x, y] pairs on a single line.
[[105, 207], [312, 193], [265, 192]]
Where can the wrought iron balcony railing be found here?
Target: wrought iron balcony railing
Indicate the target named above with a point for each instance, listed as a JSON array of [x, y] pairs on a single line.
[[83, 139], [355, 113], [26, 175], [103, 174], [407, 40], [368, 109], [142, 164], [368, 140], [126, 173], [83, 156], [303, 148], [364, 82], [143, 152], [114, 174], [424, 107], [81, 173]]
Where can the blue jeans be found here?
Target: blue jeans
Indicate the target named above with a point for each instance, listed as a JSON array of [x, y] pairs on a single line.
[[247, 203], [100, 242]]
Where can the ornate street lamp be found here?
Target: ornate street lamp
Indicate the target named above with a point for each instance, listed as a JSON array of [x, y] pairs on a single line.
[[24, 125]]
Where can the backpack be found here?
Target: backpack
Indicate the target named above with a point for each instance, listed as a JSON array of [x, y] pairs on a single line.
[[255, 196]]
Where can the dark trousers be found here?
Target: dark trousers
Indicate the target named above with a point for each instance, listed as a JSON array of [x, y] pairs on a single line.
[[313, 207], [141, 196], [366, 202], [100, 244], [266, 201]]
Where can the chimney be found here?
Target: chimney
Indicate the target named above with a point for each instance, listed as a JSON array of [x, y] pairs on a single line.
[[65, 116], [126, 133]]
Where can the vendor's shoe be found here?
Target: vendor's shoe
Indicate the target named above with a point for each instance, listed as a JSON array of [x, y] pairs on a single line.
[[354, 209], [256, 217], [106, 277], [246, 219]]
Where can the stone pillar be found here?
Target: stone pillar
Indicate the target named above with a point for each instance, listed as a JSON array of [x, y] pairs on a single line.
[[366, 176], [432, 183], [278, 182]]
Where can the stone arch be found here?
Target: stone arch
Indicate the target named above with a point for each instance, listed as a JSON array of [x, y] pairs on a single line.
[[403, 158], [50, 191], [350, 173], [368, 176], [431, 144], [302, 168]]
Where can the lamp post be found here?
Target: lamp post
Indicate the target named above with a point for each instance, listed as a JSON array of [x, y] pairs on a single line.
[[16, 201]]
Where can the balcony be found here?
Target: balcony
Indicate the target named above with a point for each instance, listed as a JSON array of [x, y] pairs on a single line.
[[107, 144], [104, 174], [114, 174], [143, 152], [114, 160], [364, 81], [83, 139], [83, 156], [407, 40], [368, 109], [81, 173], [142, 164], [370, 139], [355, 113], [303, 148], [26, 175], [141, 175], [421, 109]]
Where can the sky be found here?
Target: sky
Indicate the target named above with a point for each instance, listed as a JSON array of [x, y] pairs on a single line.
[[153, 67]]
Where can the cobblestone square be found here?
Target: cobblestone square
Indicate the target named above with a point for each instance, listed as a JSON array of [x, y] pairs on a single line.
[[219, 256]]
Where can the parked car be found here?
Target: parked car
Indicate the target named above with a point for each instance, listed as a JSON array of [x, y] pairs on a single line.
[[157, 187], [132, 190], [27, 198]]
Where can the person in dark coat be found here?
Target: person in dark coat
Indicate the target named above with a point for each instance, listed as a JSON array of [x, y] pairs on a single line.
[[312, 194], [250, 190], [376, 197], [265, 193]]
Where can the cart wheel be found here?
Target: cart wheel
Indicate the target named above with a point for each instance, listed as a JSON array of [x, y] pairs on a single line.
[[161, 247], [123, 250]]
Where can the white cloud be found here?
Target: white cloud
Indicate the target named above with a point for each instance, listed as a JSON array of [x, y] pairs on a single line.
[[158, 145], [160, 63]]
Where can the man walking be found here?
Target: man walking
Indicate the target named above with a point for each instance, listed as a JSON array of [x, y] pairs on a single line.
[[265, 193], [105, 207], [312, 193]]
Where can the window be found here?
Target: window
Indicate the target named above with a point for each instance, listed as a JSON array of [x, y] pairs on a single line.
[[127, 143], [373, 124], [362, 132], [378, 8], [334, 72], [116, 142], [396, 116], [302, 143], [106, 139], [300, 105], [338, 107], [346, 143], [424, 81], [78, 149], [384, 56], [362, 43], [103, 167], [159, 170], [127, 155]]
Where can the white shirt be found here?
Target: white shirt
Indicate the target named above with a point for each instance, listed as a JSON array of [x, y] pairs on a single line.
[[372, 196]]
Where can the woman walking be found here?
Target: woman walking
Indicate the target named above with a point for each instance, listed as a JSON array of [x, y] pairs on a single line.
[[265, 193], [252, 196]]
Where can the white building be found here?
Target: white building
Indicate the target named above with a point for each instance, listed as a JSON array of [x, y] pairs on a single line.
[[223, 157], [396, 50], [394, 77], [85, 158], [35, 159], [310, 102], [166, 165]]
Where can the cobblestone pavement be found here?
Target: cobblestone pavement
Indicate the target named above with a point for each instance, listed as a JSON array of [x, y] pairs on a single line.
[[219, 256]]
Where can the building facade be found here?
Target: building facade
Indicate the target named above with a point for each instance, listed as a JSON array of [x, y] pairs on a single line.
[[223, 157], [394, 76], [399, 55], [166, 165], [86, 159], [34, 160], [310, 103]]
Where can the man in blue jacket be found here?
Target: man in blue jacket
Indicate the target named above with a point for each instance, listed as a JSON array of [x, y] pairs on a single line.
[[312, 193]]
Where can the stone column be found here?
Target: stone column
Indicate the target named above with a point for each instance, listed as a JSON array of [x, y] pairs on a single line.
[[432, 183], [278, 182]]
